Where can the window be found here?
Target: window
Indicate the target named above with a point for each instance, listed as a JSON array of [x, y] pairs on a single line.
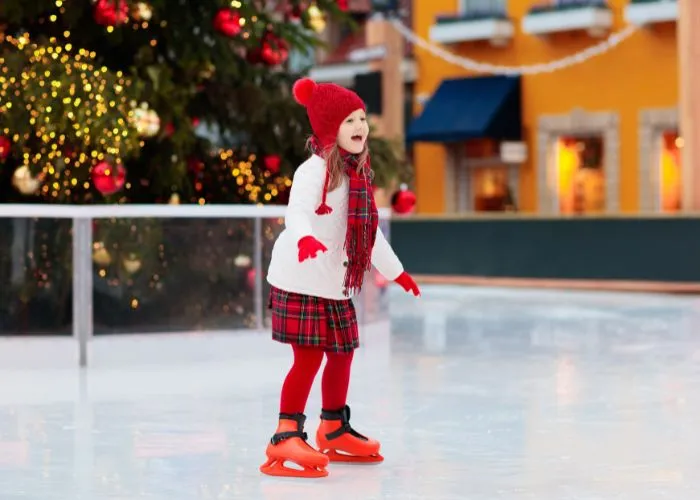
[[669, 171], [492, 191], [482, 182], [580, 182]]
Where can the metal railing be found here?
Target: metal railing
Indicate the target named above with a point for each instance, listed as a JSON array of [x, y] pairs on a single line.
[[85, 267]]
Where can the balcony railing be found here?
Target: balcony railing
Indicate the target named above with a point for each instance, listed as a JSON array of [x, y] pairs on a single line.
[[650, 12], [114, 269], [556, 16], [476, 20]]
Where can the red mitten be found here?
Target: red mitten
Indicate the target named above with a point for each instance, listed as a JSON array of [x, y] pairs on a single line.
[[407, 283], [309, 247]]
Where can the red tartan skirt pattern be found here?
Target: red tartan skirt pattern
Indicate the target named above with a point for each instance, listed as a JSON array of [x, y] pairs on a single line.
[[313, 321]]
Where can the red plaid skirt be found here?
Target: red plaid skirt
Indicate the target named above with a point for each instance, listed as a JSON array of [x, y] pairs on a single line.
[[314, 321]]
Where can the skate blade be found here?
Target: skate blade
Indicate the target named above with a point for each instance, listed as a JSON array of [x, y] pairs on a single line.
[[334, 456], [274, 467]]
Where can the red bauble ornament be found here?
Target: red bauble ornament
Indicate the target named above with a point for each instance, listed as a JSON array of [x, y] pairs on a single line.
[[272, 163], [228, 22], [343, 5], [106, 12], [274, 50], [403, 201], [250, 278], [5, 146], [107, 179]]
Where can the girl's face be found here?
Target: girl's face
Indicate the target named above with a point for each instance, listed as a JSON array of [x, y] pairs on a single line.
[[353, 132]]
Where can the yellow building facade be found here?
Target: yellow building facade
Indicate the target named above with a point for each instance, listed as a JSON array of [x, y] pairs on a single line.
[[597, 137]]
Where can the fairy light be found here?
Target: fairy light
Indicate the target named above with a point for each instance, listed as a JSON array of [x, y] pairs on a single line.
[[74, 113], [71, 113], [248, 179]]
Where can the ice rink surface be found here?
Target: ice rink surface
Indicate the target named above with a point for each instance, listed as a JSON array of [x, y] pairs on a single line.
[[474, 393]]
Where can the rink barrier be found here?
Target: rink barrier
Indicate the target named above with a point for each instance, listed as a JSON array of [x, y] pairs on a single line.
[[644, 253], [83, 217]]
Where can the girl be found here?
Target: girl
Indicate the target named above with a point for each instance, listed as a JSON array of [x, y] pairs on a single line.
[[331, 239]]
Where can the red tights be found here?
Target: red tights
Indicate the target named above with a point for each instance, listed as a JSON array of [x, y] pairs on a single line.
[[334, 384]]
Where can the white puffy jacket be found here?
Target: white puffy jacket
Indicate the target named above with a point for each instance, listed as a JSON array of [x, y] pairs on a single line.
[[323, 275]]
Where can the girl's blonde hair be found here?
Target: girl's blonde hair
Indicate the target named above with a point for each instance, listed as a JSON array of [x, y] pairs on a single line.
[[336, 167]]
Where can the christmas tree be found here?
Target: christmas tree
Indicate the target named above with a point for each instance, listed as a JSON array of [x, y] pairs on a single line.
[[130, 101], [117, 101]]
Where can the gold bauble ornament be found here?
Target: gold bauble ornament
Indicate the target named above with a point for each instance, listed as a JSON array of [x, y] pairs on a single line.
[[316, 19], [174, 199], [100, 255], [142, 11], [24, 182], [132, 263], [146, 121]]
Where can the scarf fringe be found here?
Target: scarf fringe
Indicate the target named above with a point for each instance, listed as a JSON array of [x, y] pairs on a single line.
[[358, 244]]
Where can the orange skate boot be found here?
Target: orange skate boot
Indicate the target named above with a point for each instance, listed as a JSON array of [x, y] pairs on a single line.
[[342, 443], [289, 444]]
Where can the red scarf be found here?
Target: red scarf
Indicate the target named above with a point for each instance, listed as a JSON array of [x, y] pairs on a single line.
[[363, 219]]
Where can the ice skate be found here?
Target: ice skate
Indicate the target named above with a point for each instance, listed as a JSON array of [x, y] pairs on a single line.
[[289, 445], [341, 443]]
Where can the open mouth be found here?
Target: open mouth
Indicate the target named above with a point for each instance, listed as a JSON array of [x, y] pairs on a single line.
[[357, 138]]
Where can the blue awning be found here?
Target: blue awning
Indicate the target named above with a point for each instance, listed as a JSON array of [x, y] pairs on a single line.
[[470, 108]]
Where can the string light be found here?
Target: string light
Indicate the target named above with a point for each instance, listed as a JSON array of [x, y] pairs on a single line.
[[64, 113], [72, 113], [252, 182]]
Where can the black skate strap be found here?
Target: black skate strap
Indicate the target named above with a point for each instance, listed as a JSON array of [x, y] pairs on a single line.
[[344, 416], [345, 429], [300, 419], [281, 436]]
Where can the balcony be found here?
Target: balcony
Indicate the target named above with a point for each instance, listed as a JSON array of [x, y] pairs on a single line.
[[479, 20], [649, 12], [591, 16]]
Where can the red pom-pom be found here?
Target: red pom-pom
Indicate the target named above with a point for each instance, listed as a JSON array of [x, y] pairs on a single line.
[[303, 90]]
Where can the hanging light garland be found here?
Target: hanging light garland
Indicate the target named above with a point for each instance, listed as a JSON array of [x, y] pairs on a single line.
[[63, 112]]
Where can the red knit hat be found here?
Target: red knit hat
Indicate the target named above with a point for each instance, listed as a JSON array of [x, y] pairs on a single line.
[[327, 105]]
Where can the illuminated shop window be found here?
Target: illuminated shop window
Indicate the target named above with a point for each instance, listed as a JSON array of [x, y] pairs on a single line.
[[492, 192], [483, 182], [580, 174], [669, 169]]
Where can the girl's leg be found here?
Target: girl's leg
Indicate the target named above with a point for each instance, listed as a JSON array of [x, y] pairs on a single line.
[[336, 380], [335, 437], [289, 443], [297, 384]]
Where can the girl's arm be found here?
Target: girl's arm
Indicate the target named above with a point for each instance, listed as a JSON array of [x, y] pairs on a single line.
[[384, 258], [389, 265], [303, 198]]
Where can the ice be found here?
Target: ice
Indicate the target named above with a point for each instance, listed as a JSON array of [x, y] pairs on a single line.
[[475, 393]]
